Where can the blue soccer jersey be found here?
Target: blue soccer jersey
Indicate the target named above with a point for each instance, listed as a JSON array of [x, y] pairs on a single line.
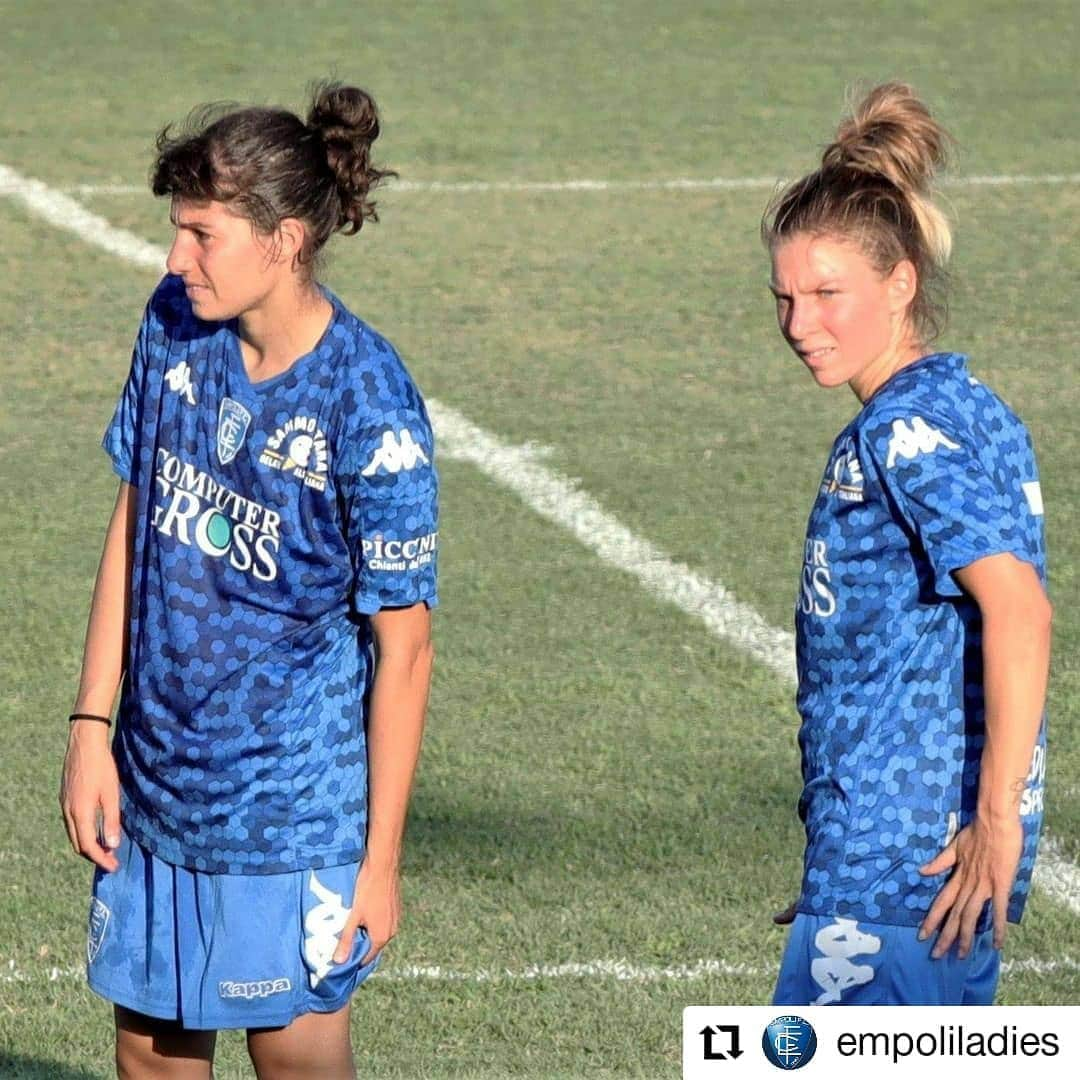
[[934, 473], [273, 519]]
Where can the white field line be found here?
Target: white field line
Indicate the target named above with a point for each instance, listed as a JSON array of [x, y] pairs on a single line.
[[607, 970], [65, 213], [555, 497], [717, 183]]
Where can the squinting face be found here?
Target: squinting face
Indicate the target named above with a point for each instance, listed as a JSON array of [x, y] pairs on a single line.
[[226, 265], [837, 312]]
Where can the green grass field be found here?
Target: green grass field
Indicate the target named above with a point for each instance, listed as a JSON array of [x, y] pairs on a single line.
[[604, 780]]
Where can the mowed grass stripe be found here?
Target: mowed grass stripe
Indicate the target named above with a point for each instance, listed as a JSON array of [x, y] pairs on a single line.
[[552, 496]]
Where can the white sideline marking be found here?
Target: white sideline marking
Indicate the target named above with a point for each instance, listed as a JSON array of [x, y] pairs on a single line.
[[716, 183], [561, 500], [555, 497], [1056, 875], [65, 213], [614, 970]]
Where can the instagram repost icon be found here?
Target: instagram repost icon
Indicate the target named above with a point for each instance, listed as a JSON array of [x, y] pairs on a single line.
[[789, 1042]]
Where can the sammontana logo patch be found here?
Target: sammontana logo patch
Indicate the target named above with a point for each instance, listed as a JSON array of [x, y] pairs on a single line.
[[298, 448]]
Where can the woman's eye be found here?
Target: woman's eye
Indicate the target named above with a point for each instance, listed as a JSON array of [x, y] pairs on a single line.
[[826, 292]]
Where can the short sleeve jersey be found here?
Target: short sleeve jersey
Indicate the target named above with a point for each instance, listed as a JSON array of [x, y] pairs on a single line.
[[273, 518], [934, 473]]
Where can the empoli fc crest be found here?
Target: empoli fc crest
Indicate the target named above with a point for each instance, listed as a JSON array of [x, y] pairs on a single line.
[[233, 423]]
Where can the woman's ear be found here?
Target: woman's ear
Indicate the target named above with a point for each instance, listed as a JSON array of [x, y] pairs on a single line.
[[292, 235], [902, 283]]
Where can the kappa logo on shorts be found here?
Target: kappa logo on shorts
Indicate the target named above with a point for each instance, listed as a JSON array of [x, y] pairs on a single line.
[[835, 972], [258, 988], [322, 926], [99, 920]]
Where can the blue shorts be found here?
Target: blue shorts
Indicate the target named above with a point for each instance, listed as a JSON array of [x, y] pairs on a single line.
[[834, 961], [221, 950]]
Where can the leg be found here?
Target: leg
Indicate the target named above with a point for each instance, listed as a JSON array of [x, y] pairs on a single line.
[[150, 1049], [314, 1044]]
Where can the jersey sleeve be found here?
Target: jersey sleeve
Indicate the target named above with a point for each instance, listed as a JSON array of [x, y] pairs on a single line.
[[940, 486], [121, 439], [390, 493]]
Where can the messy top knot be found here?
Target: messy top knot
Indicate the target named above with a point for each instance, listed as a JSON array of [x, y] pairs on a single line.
[[267, 164], [348, 122], [875, 187]]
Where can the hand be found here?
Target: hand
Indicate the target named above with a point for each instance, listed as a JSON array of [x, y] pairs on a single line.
[[787, 916], [90, 785], [983, 857], [376, 907]]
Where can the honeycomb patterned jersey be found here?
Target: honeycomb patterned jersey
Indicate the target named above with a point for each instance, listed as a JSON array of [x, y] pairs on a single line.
[[274, 518], [934, 473]]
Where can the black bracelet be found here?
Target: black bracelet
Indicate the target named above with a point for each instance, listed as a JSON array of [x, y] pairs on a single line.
[[89, 716]]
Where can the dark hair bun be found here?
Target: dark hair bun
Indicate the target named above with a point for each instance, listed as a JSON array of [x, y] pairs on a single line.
[[348, 122]]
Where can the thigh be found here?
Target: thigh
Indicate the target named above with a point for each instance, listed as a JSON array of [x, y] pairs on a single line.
[[314, 1044], [147, 1047]]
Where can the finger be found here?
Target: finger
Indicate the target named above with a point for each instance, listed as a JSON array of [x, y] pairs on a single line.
[[372, 952], [785, 917], [69, 827], [944, 860], [968, 921], [88, 846], [939, 908], [110, 818], [951, 930], [345, 940], [1001, 916]]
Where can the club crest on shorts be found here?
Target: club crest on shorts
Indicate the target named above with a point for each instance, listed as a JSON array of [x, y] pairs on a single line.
[[99, 920], [233, 423]]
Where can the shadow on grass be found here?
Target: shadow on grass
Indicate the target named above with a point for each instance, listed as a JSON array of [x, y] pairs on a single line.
[[17, 1067]]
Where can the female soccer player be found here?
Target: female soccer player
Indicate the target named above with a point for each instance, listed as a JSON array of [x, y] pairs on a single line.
[[264, 593], [923, 627]]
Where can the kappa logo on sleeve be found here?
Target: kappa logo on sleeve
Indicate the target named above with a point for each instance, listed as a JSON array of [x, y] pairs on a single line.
[[918, 437], [397, 452]]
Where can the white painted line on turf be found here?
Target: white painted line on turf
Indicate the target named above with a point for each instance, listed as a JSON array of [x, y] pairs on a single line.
[[1056, 875], [605, 970], [555, 497], [687, 183], [561, 500], [65, 213]]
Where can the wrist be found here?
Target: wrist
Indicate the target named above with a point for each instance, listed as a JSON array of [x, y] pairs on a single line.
[[385, 863], [89, 731]]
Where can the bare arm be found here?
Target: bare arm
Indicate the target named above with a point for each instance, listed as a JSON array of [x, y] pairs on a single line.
[[1016, 659], [404, 658], [89, 784]]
